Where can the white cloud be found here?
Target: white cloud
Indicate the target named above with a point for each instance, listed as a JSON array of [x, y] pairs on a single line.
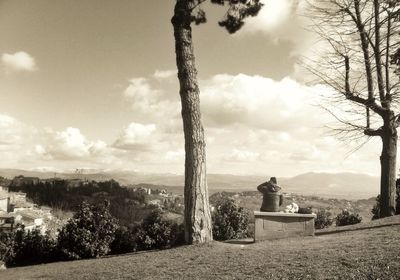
[[68, 144], [140, 93], [138, 88], [164, 74], [8, 127], [284, 21], [274, 15], [175, 156], [19, 61], [13, 132], [72, 138], [14, 136], [40, 150], [139, 146], [154, 102], [98, 147], [253, 125], [256, 101], [242, 155], [136, 136]]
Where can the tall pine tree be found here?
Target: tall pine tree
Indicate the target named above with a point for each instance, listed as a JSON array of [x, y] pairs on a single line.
[[197, 218]]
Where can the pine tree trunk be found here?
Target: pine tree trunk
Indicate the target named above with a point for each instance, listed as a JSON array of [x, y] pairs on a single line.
[[388, 167], [197, 218]]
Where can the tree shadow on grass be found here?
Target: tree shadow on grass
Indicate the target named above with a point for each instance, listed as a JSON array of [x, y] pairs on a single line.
[[244, 241], [339, 230]]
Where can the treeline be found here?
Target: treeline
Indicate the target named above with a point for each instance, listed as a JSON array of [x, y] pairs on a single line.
[[127, 205]]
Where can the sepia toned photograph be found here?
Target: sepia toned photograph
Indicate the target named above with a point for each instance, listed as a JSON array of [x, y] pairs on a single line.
[[199, 139]]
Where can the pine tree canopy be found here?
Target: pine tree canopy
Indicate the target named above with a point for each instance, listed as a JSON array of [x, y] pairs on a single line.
[[238, 11]]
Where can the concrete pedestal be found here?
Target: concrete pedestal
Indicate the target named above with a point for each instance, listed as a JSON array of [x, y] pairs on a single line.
[[276, 225]]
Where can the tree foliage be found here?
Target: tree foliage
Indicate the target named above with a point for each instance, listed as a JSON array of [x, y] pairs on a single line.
[[124, 241], [157, 233], [376, 209], [89, 233], [346, 218], [323, 219], [7, 247], [237, 12], [230, 221], [19, 247]]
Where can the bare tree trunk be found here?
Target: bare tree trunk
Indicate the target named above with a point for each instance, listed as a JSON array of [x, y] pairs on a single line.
[[388, 167], [197, 218]]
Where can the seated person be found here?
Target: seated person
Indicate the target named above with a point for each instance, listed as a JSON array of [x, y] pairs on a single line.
[[272, 197]]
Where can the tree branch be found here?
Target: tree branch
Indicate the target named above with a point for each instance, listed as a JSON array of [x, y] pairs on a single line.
[[364, 44], [387, 66], [377, 54], [373, 132], [368, 103]]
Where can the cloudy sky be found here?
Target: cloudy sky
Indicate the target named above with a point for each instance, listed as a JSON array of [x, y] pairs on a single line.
[[92, 84]]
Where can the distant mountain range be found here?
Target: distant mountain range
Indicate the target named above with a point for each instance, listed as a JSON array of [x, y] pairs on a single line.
[[330, 185]]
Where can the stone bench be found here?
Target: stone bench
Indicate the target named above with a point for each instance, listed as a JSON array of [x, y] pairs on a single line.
[[276, 225]]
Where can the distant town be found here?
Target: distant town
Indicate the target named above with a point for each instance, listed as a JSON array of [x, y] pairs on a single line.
[[16, 208]]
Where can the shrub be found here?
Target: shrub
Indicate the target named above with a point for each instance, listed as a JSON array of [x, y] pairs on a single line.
[[26, 248], [156, 233], [376, 210], [323, 219], [6, 247], [230, 221], [89, 233], [347, 218], [32, 248], [124, 241]]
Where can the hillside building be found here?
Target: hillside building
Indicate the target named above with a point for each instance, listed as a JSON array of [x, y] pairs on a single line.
[[4, 203], [15, 209], [20, 180], [7, 221]]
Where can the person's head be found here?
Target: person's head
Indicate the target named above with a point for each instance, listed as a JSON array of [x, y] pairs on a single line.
[[273, 180]]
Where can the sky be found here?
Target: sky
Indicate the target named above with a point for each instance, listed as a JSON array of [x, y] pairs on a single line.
[[92, 85]]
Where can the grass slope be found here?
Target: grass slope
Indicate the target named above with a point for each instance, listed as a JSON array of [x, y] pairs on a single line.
[[358, 254]]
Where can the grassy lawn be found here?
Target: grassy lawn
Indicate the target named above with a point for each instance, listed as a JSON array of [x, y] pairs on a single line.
[[372, 253]]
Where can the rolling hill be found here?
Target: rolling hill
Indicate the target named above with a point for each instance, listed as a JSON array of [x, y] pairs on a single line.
[[332, 185]]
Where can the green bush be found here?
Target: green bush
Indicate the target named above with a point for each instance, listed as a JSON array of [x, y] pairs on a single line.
[[26, 248], [323, 219], [376, 210], [32, 248], [89, 233], [346, 218], [230, 221], [156, 233], [124, 241], [7, 253]]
